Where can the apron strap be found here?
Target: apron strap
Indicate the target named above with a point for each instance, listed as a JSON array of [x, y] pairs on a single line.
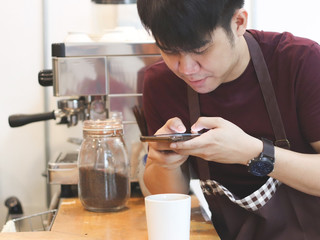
[[194, 113], [269, 96]]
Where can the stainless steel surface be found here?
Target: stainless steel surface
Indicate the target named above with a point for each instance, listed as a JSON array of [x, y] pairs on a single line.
[[36, 222], [95, 49], [73, 110], [63, 169], [71, 105], [80, 76]]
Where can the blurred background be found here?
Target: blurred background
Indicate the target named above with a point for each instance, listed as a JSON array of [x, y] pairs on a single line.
[[28, 28]]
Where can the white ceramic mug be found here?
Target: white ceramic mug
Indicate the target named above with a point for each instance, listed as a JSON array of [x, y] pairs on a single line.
[[168, 216]]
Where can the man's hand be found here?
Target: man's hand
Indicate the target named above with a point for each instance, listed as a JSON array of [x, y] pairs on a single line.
[[160, 152], [224, 142], [164, 171]]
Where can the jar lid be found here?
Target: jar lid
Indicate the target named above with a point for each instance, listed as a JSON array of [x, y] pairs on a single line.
[[114, 1], [107, 126]]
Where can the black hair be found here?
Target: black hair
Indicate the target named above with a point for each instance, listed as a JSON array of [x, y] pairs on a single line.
[[186, 25]]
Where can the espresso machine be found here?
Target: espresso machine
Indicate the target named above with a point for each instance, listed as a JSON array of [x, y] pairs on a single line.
[[97, 78]]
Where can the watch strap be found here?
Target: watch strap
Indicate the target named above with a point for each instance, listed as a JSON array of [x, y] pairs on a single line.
[[268, 148]]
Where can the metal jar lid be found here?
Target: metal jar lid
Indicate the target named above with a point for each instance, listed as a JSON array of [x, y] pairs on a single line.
[[114, 1]]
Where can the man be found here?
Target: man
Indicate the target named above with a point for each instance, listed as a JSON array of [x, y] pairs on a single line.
[[203, 46]]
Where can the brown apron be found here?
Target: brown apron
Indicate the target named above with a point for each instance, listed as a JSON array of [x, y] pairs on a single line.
[[275, 211]]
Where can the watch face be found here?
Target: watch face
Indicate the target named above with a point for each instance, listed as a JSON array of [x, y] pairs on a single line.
[[261, 167]]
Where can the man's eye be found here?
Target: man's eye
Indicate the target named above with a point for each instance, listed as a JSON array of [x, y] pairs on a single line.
[[200, 51], [204, 49], [167, 52]]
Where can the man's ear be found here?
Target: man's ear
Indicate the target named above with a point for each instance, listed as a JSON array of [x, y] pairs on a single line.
[[239, 21]]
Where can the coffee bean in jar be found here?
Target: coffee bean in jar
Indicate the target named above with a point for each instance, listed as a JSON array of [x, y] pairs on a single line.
[[103, 190], [104, 183]]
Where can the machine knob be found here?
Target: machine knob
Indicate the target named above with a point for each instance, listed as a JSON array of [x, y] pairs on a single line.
[[45, 78], [14, 205]]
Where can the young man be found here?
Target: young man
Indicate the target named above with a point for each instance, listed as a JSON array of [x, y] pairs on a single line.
[[255, 190]]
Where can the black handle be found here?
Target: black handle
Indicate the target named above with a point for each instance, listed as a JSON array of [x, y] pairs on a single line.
[[45, 78], [23, 119], [14, 205]]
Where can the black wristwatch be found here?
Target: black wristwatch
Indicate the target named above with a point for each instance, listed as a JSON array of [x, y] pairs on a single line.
[[263, 164]]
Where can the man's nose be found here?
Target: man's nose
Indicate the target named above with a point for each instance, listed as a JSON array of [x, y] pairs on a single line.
[[187, 65]]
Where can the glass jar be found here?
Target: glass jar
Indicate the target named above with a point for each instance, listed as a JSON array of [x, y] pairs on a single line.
[[104, 174]]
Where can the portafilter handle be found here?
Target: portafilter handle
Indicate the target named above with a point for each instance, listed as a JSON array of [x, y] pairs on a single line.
[[70, 111], [18, 120]]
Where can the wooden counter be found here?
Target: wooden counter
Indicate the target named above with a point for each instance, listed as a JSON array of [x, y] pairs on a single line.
[[127, 224], [74, 221]]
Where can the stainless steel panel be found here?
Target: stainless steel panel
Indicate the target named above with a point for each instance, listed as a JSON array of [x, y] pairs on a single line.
[[82, 76], [110, 49]]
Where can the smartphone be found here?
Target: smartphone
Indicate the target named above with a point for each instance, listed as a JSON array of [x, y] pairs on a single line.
[[175, 137]]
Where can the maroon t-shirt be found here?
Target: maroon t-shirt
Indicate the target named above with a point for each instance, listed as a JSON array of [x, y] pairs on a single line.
[[294, 66]]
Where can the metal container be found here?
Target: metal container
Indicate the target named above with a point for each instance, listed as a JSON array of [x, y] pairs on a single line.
[[63, 169]]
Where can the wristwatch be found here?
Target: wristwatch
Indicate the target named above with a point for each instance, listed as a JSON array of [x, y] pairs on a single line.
[[263, 164]]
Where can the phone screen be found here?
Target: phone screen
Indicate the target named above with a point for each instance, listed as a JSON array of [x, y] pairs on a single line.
[[175, 137]]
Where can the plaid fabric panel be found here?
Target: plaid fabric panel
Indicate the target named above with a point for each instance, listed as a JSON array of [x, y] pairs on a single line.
[[252, 202]]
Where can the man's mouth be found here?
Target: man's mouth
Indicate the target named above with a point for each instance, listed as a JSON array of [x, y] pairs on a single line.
[[197, 82]]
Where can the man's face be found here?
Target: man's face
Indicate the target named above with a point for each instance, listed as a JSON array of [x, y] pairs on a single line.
[[208, 67]]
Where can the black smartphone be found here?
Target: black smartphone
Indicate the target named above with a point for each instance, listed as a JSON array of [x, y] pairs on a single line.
[[175, 137]]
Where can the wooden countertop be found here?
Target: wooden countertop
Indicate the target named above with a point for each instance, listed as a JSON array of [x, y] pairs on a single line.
[[74, 222]]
